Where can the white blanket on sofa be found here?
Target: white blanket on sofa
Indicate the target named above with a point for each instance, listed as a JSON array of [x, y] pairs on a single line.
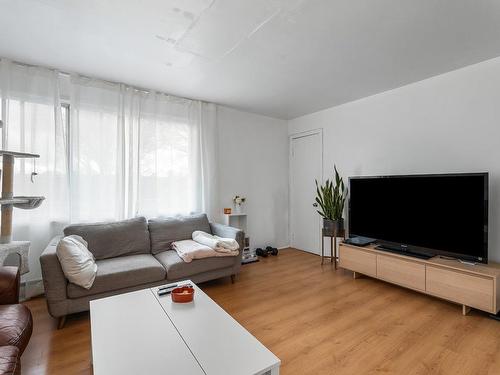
[[226, 245], [189, 250]]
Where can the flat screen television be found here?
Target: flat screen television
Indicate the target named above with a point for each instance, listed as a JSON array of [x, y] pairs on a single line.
[[444, 214]]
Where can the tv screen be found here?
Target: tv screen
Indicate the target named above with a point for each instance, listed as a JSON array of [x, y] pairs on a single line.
[[447, 213]]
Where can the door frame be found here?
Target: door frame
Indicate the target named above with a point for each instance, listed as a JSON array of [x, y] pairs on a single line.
[[291, 138]]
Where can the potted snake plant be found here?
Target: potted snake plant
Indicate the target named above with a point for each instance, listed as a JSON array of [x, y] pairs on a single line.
[[331, 199]]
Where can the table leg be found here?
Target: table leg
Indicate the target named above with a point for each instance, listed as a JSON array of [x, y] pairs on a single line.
[[465, 310]]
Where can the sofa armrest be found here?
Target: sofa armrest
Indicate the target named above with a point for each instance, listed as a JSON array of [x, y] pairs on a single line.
[[54, 281], [9, 285], [226, 231]]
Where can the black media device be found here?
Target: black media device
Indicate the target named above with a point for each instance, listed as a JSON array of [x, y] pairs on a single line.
[[423, 215], [359, 241]]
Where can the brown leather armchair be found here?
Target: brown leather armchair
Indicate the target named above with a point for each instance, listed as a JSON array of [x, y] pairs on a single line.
[[16, 322]]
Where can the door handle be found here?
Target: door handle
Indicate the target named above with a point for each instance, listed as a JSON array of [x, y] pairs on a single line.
[[315, 205]]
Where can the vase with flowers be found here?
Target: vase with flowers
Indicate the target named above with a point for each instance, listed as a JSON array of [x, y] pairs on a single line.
[[238, 202]]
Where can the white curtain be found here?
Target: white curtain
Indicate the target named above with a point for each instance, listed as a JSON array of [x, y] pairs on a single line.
[[138, 153], [96, 151], [32, 118], [172, 174], [108, 151]]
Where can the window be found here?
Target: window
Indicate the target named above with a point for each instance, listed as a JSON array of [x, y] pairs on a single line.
[[107, 151]]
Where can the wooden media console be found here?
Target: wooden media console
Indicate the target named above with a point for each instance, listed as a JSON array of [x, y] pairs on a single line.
[[472, 286]]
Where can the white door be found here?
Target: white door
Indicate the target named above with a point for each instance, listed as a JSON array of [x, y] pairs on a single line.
[[305, 166]]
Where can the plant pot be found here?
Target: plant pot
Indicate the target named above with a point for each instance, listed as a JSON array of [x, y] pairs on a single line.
[[339, 225], [330, 227]]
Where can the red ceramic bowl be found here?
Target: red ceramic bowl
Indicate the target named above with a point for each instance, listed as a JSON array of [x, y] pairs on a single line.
[[183, 294]]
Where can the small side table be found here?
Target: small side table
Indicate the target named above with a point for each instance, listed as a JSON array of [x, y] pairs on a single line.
[[333, 245]]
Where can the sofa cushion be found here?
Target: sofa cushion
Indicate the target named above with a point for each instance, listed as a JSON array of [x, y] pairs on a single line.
[[16, 325], [113, 239], [178, 269], [164, 231], [119, 273], [77, 262]]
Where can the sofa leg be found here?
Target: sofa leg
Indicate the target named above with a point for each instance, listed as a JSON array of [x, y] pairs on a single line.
[[61, 322], [233, 278]]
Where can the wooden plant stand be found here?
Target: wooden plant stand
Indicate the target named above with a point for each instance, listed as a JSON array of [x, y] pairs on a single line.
[[333, 246]]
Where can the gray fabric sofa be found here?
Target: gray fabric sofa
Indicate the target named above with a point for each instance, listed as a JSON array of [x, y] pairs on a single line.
[[131, 255]]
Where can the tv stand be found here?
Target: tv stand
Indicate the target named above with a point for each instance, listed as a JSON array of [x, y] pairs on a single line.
[[470, 286]]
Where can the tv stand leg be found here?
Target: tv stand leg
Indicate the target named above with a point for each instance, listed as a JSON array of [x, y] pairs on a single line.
[[356, 275], [465, 310]]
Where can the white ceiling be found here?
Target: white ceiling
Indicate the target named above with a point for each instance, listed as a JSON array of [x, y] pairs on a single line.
[[282, 58]]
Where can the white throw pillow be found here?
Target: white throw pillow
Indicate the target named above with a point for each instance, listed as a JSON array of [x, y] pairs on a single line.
[[77, 262]]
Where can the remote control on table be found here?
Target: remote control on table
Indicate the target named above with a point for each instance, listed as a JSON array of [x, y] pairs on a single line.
[[163, 291]]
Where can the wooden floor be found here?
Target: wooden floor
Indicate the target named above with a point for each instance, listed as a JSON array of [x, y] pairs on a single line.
[[317, 321]]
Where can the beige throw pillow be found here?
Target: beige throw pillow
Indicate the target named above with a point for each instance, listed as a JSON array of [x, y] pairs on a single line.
[[77, 262]]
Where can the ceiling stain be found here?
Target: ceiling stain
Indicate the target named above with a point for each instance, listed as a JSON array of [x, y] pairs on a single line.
[[188, 15]]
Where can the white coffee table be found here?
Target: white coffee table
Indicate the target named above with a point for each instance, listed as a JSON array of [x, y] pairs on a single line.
[[142, 333]]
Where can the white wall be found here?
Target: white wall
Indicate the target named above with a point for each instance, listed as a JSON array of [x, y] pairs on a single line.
[[448, 123], [253, 162]]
